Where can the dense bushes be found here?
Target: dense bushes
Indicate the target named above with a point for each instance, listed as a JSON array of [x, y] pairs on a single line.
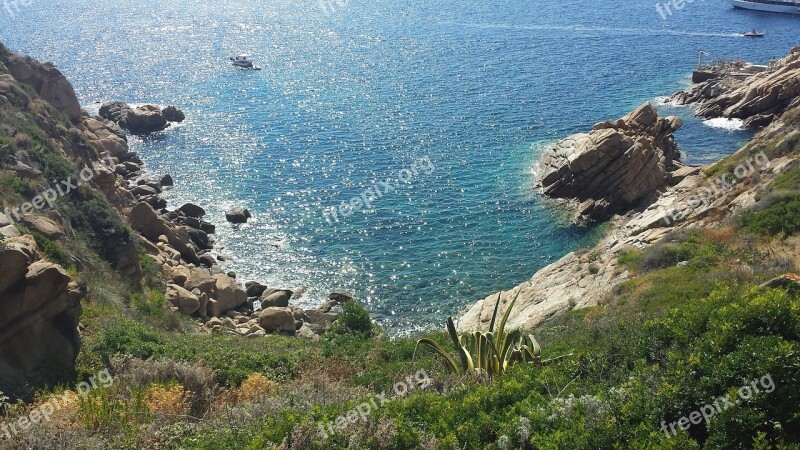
[[781, 214]]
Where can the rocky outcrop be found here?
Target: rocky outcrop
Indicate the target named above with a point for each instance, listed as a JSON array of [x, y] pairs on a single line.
[[615, 166], [39, 313], [45, 79], [173, 114], [758, 99], [141, 119], [585, 278], [237, 214]]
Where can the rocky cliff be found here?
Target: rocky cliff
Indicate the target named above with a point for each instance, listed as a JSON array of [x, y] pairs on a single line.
[[584, 279], [616, 166], [39, 312], [758, 100]]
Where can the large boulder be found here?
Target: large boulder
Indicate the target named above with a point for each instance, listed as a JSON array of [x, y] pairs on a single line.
[[39, 313], [228, 294], [15, 257], [277, 319], [173, 114], [192, 210], [254, 288], [202, 279], [237, 214], [615, 166], [48, 82], [145, 119], [116, 112], [185, 301], [274, 297], [140, 120]]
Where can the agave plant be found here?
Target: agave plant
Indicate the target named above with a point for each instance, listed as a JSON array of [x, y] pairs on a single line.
[[488, 352]]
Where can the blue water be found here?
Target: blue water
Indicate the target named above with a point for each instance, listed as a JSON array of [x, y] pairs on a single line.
[[353, 95]]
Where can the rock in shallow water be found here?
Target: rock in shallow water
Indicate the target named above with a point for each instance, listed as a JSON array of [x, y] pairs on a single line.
[[237, 215], [615, 166]]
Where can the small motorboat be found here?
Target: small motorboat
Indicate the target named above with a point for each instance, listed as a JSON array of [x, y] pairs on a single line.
[[244, 63], [754, 33]]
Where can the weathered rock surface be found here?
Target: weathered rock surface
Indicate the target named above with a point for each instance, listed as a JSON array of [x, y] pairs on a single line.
[[584, 279], [142, 119], [615, 166], [39, 312], [274, 297], [759, 99], [192, 210], [277, 319], [237, 214], [48, 82], [173, 114]]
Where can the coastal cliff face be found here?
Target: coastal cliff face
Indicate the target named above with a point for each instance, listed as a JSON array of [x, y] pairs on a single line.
[[758, 100], [614, 167], [701, 198]]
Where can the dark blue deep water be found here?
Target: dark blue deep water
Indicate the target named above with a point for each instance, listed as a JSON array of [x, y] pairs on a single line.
[[353, 93]]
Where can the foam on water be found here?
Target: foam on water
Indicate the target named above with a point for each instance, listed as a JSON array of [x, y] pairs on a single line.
[[725, 124]]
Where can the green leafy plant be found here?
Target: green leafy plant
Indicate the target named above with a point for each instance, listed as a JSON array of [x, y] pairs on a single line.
[[354, 320], [488, 352]]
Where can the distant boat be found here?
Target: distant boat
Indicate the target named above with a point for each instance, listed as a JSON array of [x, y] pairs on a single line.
[[754, 33], [776, 6], [243, 62]]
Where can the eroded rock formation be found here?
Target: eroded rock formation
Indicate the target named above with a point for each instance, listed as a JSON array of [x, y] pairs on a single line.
[[39, 312], [48, 82], [758, 99], [615, 166]]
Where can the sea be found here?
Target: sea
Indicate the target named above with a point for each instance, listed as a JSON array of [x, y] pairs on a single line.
[[387, 148]]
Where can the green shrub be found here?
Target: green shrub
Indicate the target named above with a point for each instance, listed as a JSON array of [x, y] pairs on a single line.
[[354, 320], [781, 214], [53, 251], [128, 337], [14, 190]]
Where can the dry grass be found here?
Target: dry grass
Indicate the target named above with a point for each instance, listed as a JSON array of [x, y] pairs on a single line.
[[720, 235], [167, 400], [255, 387]]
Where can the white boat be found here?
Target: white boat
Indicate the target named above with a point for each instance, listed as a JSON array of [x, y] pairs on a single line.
[[243, 62], [776, 6]]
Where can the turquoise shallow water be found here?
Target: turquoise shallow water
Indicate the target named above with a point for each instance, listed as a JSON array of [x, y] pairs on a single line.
[[351, 96]]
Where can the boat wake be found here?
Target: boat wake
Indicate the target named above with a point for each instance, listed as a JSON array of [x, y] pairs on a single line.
[[589, 29]]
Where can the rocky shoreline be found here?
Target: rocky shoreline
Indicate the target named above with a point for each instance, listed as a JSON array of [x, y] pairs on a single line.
[[582, 169], [180, 241]]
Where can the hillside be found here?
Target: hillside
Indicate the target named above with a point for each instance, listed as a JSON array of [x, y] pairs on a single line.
[[118, 329]]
